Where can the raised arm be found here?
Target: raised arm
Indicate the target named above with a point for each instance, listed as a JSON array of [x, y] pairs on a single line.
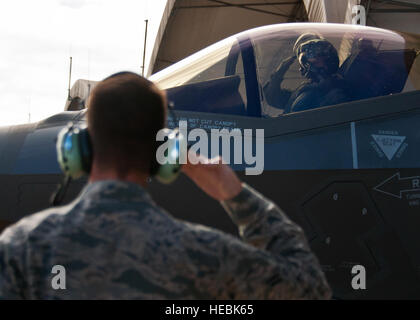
[[275, 95]]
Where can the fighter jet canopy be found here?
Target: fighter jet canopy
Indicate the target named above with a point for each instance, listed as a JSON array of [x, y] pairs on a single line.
[[257, 72]]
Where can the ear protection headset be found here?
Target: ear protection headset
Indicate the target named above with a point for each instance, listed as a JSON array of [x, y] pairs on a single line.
[[74, 154], [74, 151]]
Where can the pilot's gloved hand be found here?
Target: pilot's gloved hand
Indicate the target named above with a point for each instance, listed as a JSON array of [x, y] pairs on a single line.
[[287, 62], [274, 95], [213, 177], [282, 68]]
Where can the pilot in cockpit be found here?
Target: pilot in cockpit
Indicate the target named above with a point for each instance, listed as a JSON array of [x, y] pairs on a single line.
[[318, 63]]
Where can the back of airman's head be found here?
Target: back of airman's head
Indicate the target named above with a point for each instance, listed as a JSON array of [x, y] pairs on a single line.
[[125, 111]]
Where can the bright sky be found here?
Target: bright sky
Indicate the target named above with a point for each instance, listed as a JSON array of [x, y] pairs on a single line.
[[38, 37]]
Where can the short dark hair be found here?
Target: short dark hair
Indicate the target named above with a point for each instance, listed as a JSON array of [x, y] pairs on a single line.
[[125, 111]]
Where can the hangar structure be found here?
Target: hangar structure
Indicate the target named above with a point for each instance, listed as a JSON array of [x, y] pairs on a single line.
[[190, 25]]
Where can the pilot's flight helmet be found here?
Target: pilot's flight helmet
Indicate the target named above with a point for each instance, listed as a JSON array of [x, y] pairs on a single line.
[[317, 58], [302, 39]]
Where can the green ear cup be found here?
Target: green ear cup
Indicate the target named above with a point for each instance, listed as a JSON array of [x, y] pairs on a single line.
[[74, 154], [74, 151], [170, 170]]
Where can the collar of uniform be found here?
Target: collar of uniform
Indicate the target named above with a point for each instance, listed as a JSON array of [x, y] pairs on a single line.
[[116, 189]]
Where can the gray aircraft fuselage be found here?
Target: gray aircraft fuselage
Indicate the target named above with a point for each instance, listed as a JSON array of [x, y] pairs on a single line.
[[363, 216]]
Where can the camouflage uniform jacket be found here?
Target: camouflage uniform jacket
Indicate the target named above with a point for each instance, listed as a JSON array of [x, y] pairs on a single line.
[[116, 243]]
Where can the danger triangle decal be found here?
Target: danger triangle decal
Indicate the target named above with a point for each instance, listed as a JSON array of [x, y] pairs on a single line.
[[388, 144]]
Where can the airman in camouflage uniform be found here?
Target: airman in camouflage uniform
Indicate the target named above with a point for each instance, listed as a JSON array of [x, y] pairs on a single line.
[[116, 243]]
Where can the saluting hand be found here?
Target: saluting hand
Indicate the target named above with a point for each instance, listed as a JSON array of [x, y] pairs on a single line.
[[213, 177]]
